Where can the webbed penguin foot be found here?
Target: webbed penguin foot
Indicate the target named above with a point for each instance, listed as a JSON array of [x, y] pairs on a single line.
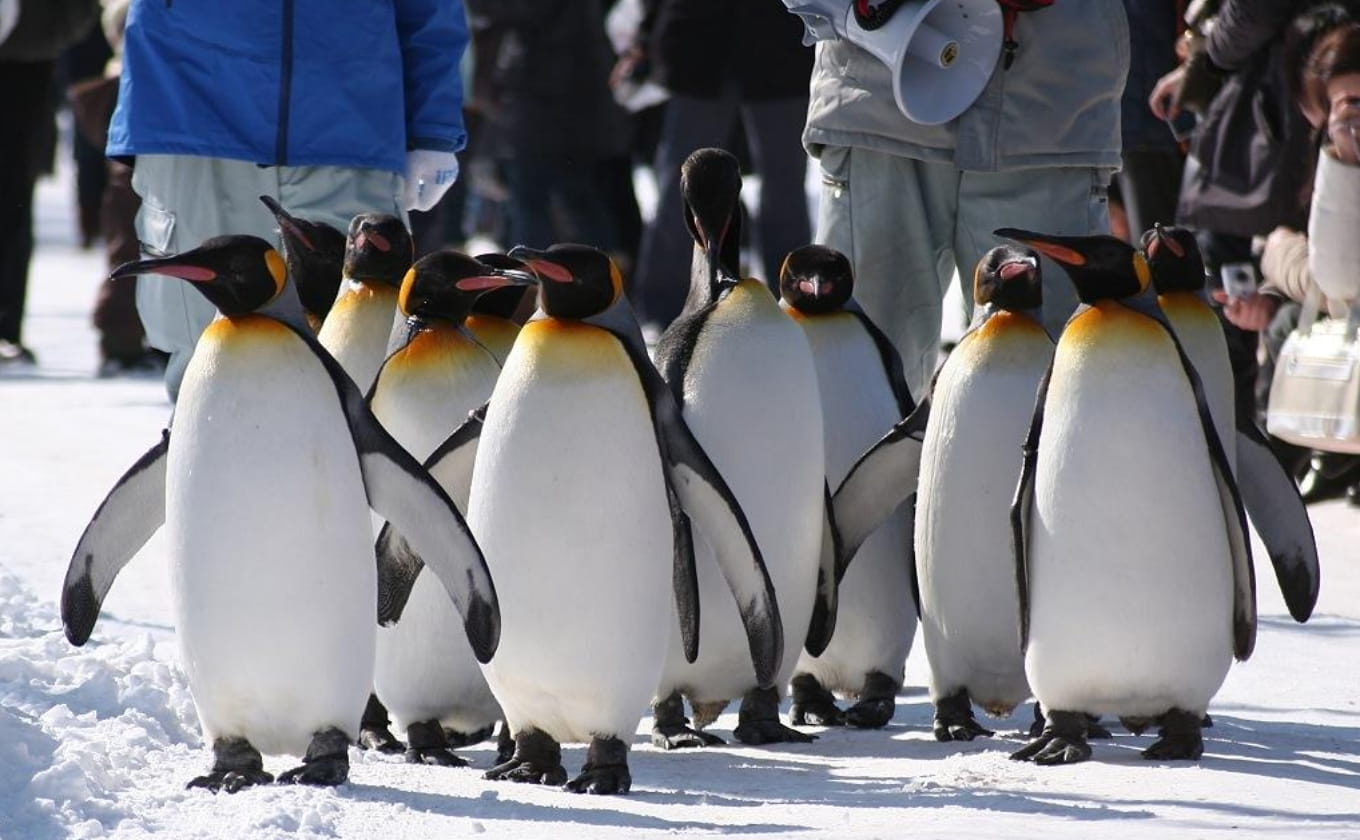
[[1180, 737], [374, 729], [236, 766], [505, 744], [671, 730], [813, 705], [1037, 727], [605, 770], [758, 721], [326, 762], [1094, 729], [1063, 741], [429, 745], [537, 760], [954, 719], [877, 702]]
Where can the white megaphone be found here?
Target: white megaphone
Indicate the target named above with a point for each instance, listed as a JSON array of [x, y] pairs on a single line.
[[941, 52]]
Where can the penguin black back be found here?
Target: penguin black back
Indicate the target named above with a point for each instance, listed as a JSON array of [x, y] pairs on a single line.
[[378, 248], [816, 279]]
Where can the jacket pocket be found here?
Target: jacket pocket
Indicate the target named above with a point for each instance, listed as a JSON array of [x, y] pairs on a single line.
[[155, 230]]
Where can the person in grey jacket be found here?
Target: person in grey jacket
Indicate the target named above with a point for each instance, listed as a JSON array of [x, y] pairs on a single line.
[[910, 203]]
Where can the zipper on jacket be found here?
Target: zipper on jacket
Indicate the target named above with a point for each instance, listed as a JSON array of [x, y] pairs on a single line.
[[285, 86]]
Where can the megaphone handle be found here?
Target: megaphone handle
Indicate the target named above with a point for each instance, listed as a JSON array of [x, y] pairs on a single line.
[[1008, 43]]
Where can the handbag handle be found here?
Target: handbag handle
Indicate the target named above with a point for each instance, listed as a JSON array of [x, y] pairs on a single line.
[[1312, 305]]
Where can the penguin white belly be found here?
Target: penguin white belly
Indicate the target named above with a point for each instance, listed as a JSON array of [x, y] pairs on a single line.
[[425, 669], [267, 527], [1130, 579], [358, 329], [1201, 335], [970, 461], [751, 400], [569, 507], [876, 620]]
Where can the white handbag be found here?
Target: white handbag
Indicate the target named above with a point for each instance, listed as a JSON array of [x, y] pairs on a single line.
[[1315, 394]]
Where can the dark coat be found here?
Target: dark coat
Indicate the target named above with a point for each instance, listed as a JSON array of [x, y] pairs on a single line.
[[545, 87], [1153, 28], [696, 46]]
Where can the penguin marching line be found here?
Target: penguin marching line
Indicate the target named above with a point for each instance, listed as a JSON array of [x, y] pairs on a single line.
[[743, 374], [863, 392], [969, 456], [585, 484], [1125, 488], [315, 255], [425, 673], [359, 328], [1270, 496], [263, 483]]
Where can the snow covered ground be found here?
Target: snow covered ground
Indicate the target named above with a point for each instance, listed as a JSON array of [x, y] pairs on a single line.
[[99, 741]]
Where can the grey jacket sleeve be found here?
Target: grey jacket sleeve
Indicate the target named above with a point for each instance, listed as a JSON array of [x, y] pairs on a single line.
[[1244, 26]]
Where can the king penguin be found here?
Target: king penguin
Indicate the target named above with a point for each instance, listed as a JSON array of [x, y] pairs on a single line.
[[585, 485], [359, 328], [1270, 496], [315, 255], [426, 674], [495, 318], [1125, 488], [863, 392], [263, 484], [744, 375]]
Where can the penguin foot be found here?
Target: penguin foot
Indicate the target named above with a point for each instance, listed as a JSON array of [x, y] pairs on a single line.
[[537, 760], [1179, 738], [671, 730], [1094, 729], [429, 745], [877, 703], [1063, 741], [813, 705], [758, 721], [1037, 727], [326, 762], [236, 765], [954, 719], [1207, 722], [505, 744], [605, 770], [375, 731]]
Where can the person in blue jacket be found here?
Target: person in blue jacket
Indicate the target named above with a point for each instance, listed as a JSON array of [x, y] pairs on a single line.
[[332, 107]]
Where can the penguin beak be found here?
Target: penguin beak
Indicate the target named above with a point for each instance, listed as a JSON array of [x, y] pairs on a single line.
[[497, 278], [365, 238], [1014, 268], [288, 224], [183, 266], [1049, 246], [541, 265]]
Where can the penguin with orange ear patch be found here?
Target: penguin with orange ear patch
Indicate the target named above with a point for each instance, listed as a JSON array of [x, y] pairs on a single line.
[[1132, 558], [1269, 494], [264, 486]]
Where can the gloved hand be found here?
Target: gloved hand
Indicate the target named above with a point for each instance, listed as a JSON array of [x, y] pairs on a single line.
[[429, 174]]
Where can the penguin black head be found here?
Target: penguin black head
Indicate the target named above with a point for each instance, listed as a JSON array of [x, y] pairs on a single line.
[[315, 254], [238, 274], [1175, 260], [1101, 267], [575, 281], [443, 285], [816, 280], [503, 302], [1008, 278], [710, 187], [379, 248]]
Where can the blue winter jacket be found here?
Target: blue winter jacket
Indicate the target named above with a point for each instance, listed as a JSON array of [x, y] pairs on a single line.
[[292, 82]]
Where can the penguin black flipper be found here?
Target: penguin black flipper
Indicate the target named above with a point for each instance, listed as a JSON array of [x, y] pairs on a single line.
[[1276, 508], [892, 362], [398, 564], [707, 500], [881, 480], [1022, 506], [685, 576], [132, 511], [1234, 515], [911, 559], [401, 491], [829, 573]]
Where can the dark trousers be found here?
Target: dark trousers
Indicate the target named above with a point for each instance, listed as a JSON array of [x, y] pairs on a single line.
[[26, 90], [556, 200], [115, 307], [773, 130], [1150, 183]]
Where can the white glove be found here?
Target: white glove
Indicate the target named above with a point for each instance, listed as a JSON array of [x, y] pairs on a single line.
[[429, 174]]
